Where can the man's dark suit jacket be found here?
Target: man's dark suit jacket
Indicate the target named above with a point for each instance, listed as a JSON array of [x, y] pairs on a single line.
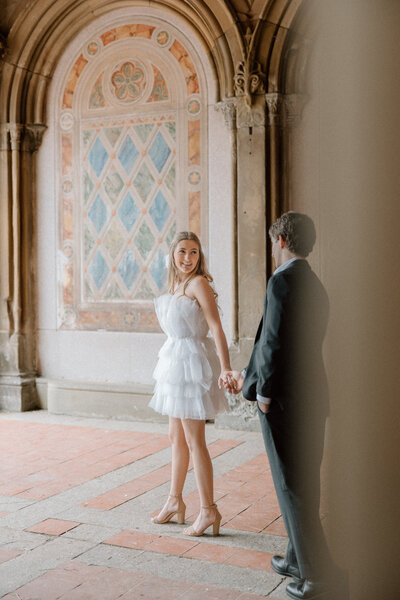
[[286, 363]]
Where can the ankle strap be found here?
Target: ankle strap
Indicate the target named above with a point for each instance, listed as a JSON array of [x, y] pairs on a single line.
[[211, 506], [175, 495]]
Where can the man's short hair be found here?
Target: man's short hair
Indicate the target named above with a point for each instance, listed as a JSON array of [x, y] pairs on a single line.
[[297, 230]]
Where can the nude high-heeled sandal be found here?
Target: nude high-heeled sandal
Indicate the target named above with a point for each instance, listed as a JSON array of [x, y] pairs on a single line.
[[215, 524], [179, 512]]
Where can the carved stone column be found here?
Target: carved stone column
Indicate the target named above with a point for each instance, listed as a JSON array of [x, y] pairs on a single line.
[[275, 109], [249, 206], [251, 215], [18, 145], [228, 108]]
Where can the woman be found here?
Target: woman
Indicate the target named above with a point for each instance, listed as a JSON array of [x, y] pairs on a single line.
[[188, 388]]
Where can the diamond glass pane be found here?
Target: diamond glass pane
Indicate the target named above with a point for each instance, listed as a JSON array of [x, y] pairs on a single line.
[[88, 186], [144, 292], [114, 240], [112, 134], [144, 182], [128, 154], [113, 291], [171, 129], [170, 179], [86, 137], [159, 269], [98, 157], [99, 269], [129, 269], [89, 241], [113, 185], [98, 214], [160, 211], [143, 131], [171, 234], [144, 241], [159, 152], [128, 212]]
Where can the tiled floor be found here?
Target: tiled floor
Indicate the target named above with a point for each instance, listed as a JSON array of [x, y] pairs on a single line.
[[76, 496]]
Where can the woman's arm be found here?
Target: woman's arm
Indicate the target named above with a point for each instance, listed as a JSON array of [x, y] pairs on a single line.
[[199, 289]]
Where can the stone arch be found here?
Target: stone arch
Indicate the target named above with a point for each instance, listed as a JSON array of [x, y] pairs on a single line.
[[233, 42], [40, 34]]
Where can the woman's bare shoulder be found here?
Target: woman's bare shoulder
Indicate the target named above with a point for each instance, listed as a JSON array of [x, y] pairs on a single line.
[[197, 285]]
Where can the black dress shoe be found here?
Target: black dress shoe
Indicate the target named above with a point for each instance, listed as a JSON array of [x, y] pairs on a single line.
[[308, 590], [281, 566]]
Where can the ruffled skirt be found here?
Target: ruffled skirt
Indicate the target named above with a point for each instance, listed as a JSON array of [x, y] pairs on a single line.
[[187, 380]]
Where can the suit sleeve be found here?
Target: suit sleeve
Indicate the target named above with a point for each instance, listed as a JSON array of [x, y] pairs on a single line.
[[269, 345]]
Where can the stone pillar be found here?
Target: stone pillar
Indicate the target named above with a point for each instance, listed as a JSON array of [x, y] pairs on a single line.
[[275, 105], [18, 144], [251, 216], [228, 108], [245, 117]]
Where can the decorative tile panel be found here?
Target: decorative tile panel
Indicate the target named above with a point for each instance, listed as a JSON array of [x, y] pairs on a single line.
[[132, 169]]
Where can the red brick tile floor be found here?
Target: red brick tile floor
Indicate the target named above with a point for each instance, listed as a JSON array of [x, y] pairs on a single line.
[[61, 479]]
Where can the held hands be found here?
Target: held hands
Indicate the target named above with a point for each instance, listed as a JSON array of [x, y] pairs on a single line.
[[232, 381]]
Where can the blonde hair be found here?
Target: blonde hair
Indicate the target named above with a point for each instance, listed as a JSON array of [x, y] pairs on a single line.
[[201, 267]]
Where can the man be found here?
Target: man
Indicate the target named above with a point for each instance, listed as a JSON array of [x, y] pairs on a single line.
[[286, 377]]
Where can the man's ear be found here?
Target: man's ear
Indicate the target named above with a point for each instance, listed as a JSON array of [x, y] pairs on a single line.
[[282, 242]]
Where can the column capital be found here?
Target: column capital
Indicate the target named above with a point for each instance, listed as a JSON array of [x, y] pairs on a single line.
[[16, 136], [249, 80], [294, 106], [4, 137], [34, 136], [228, 109], [250, 116], [16, 132], [275, 105]]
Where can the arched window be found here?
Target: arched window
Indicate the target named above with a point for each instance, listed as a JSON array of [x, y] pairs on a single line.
[[131, 143]]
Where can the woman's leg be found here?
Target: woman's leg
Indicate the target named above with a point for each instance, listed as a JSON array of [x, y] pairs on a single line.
[[195, 436], [179, 467], [180, 456]]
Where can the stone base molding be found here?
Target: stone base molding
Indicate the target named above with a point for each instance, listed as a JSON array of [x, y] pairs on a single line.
[[97, 399], [17, 393]]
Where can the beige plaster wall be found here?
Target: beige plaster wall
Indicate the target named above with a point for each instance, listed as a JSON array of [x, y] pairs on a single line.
[[345, 173]]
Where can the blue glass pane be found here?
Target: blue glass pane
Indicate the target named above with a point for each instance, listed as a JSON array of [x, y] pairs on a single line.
[[159, 270], [128, 154], [98, 214], [160, 211], [99, 270], [128, 212], [159, 152], [129, 269], [98, 157]]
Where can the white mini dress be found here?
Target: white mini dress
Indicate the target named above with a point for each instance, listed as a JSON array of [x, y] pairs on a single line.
[[188, 368]]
